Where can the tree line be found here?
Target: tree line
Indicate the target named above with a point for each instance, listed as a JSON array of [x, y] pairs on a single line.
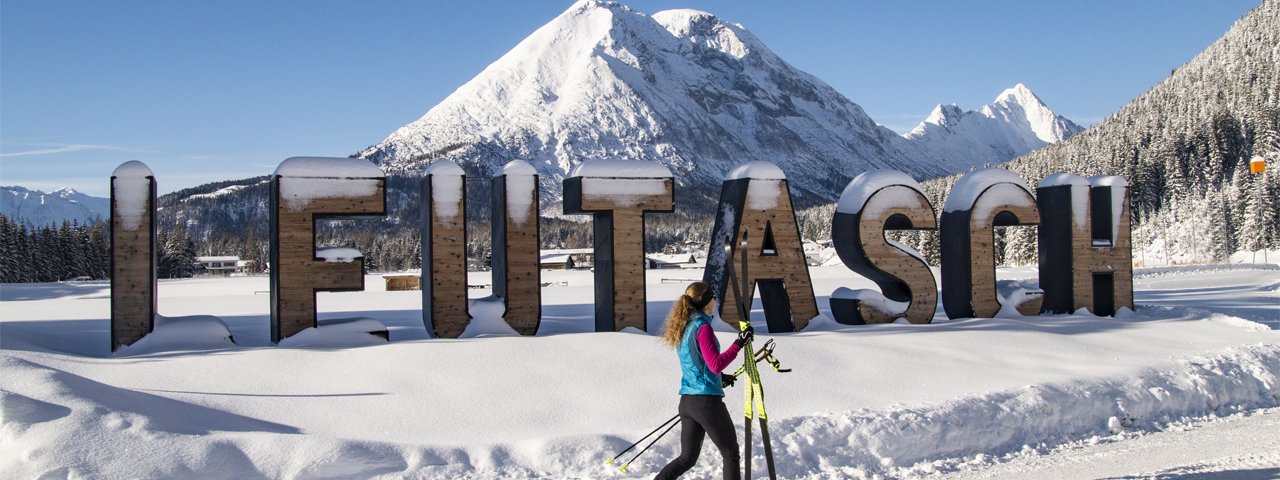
[[53, 253]]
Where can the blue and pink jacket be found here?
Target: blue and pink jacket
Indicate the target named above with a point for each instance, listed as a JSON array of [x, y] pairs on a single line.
[[701, 360]]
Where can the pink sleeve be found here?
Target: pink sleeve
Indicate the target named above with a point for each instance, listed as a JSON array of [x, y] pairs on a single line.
[[715, 359]]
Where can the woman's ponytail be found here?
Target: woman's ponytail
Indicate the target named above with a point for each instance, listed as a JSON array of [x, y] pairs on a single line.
[[681, 309]]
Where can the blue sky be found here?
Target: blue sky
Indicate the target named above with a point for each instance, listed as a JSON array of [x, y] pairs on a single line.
[[209, 91]]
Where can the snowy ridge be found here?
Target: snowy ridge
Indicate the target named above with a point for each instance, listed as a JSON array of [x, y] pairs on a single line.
[[1015, 123], [36, 208], [1238, 379]]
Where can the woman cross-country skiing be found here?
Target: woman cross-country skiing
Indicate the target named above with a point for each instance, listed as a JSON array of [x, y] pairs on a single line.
[[702, 410]]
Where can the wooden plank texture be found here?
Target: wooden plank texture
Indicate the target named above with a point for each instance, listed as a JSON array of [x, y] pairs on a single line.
[[133, 271], [786, 264], [297, 273]]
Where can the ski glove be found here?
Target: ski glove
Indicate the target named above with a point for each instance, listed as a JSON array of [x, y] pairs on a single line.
[[745, 336], [727, 380]]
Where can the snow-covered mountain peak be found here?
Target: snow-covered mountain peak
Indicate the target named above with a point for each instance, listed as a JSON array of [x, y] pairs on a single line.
[[1020, 105], [706, 30], [1020, 95], [1017, 122], [682, 88], [942, 115]]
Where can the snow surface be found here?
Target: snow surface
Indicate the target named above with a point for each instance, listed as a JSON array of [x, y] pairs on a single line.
[[328, 167], [757, 170], [448, 188], [192, 332], [1079, 195], [863, 401], [1119, 187], [338, 333], [338, 254], [131, 190], [521, 184], [763, 194], [873, 299], [965, 192], [854, 197], [611, 168], [132, 169]]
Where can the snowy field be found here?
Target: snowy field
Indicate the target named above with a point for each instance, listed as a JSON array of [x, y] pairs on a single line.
[[1187, 383]]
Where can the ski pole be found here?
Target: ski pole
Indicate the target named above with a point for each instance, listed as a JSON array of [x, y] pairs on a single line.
[[646, 447], [615, 457]]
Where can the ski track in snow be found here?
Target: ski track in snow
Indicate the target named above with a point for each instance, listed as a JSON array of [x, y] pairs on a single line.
[[1176, 389]]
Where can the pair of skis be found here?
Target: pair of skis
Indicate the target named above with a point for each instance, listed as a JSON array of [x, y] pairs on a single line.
[[753, 391]]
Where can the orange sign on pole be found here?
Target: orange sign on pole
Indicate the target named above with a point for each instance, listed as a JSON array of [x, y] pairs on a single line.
[[1257, 165]]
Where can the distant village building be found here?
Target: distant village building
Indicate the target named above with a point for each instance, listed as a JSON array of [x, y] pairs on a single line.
[[566, 258], [672, 260], [218, 265]]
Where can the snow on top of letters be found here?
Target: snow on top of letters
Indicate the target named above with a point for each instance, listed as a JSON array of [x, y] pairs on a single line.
[[328, 167], [131, 190], [520, 189], [1118, 186], [447, 188], [967, 190], [1079, 194], [757, 170], [859, 190], [873, 299], [620, 169], [133, 169], [338, 254], [518, 167], [1059, 179], [444, 167], [1108, 181]]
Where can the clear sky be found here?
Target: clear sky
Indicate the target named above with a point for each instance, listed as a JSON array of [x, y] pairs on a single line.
[[206, 91]]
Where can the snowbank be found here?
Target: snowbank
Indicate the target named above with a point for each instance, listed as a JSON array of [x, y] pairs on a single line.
[[195, 332], [338, 333]]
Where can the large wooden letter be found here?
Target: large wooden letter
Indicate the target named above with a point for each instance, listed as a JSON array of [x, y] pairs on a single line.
[[618, 193], [1085, 256], [872, 203], [133, 253], [516, 274], [444, 250], [979, 202], [302, 190], [755, 201]]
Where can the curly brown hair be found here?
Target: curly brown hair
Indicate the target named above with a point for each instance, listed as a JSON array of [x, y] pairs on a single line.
[[678, 318]]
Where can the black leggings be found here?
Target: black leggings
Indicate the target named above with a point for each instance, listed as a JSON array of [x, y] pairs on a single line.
[[704, 415]]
